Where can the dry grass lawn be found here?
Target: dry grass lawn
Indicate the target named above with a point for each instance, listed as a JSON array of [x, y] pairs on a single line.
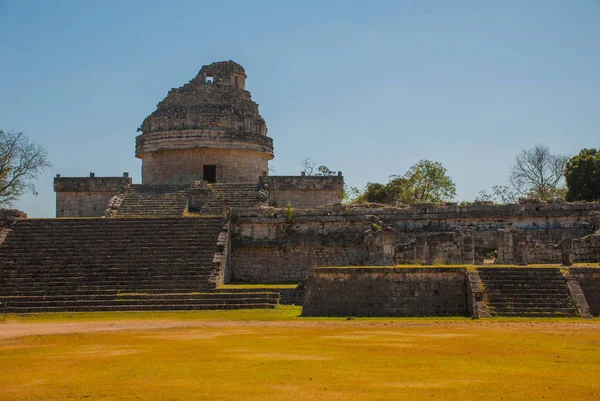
[[274, 355]]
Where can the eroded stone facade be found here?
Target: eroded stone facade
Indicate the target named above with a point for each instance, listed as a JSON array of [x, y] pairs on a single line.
[[304, 192], [184, 166], [272, 244], [210, 121], [86, 196], [386, 292], [207, 131]]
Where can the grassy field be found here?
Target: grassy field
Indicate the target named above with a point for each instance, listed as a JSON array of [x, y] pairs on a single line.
[[275, 355], [471, 267]]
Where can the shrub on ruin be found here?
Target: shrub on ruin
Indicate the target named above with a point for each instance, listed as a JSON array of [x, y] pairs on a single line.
[[289, 214], [21, 161]]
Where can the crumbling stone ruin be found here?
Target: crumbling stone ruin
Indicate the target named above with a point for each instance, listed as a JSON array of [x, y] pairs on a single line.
[[208, 129], [207, 212]]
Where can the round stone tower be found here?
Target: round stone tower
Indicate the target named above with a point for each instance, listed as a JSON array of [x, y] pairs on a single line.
[[207, 129]]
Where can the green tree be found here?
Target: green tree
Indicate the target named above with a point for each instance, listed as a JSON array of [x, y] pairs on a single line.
[[582, 174], [376, 193], [20, 162], [424, 182]]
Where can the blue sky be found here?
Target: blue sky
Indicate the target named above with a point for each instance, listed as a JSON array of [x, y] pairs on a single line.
[[368, 88]]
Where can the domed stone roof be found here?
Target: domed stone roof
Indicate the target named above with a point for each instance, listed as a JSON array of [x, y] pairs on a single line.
[[212, 110]]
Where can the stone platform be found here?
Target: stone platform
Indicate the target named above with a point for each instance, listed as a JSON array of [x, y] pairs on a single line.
[[451, 291], [118, 264]]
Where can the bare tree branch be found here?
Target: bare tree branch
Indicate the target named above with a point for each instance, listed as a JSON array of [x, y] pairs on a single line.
[[20, 162], [308, 166], [538, 173]]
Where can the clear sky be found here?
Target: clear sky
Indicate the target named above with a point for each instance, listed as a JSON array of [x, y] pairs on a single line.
[[366, 87]]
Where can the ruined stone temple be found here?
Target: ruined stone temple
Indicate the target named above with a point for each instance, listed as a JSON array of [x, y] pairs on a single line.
[[207, 215], [209, 129]]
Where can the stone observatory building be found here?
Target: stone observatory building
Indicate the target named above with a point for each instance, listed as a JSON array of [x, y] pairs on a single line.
[[204, 149], [208, 214], [209, 129]]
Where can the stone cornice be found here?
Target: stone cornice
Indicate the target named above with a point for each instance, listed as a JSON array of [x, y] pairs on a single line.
[[198, 139]]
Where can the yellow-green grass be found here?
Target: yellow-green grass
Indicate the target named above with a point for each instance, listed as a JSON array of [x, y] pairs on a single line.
[[250, 286], [274, 355], [468, 266]]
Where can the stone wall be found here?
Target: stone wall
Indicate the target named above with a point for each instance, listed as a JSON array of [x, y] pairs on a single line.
[[283, 264], [185, 166], [589, 281], [386, 292], [8, 217], [482, 218], [272, 244], [587, 249], [86, 196], [221, 271], [271, 249], [304, 192], [436, 248]]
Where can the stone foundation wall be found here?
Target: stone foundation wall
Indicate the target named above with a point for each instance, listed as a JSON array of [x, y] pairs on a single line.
[[435, 248], [270, 244], [86, 196], [276, 250], [291, 296], [526, 246], [221, 272], [543, 217], [589, 281], [386, 292], [304, 192], [587, 249], [181, 167], [277, 264]]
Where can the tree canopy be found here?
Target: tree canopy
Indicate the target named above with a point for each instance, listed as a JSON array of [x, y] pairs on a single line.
[[582, 174], [20, 162], [424, 182]]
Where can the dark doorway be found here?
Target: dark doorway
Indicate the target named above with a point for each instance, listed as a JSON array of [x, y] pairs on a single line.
[[210, 173]]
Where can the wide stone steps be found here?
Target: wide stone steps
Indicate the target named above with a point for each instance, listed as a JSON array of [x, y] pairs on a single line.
[[115, 282], [527, 292], [133, 302], [120, 296], [100, 290], [140, 308], [227, 196], [115, 264], [56, 255], [533, 312], [67, 288], [154, 200]]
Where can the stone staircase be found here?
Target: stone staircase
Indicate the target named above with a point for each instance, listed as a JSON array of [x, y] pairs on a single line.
[[225, 196], [115, 264], [154, 201], [527, 292]]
